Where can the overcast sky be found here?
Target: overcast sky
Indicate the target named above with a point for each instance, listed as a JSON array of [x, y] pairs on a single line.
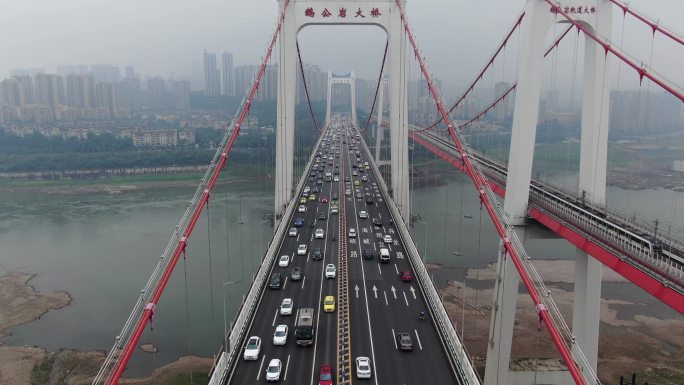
[[167, 37]]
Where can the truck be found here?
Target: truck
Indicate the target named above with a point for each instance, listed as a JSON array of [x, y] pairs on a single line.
[[304, 330]]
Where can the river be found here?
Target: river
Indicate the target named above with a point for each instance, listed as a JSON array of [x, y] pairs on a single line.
[[101, 248]]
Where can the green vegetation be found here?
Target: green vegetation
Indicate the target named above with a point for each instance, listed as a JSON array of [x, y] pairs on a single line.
[[41, 370]]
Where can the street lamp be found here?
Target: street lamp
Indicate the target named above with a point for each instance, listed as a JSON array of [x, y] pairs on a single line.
[[225, 328], [261, 237], [424, 241]]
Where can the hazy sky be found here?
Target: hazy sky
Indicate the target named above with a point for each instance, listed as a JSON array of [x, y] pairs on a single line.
[[166, 37]]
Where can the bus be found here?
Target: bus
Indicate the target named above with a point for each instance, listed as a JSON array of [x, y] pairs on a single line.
[[304, 330]]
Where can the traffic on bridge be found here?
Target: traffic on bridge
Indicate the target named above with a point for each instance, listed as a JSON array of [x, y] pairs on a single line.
[[342, 222]]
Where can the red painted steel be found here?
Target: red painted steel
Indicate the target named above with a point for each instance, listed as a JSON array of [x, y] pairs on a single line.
[[182, 243], [479, 184], [630, 272], [650, 284], [608, 48], [654, 25]]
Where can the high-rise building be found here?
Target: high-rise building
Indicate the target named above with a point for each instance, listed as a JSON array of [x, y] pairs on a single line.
[[105, 73], [156, 89], [212, 84], [66, 70], [80, 91], [129, 94], [26, 95], [243, 79], [9, 93], [106, 98], [227, 81], [130, 72], [182, 94], [49, 91], [316, 83]]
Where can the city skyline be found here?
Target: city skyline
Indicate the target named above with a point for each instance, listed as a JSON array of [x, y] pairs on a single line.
[[170, 51]]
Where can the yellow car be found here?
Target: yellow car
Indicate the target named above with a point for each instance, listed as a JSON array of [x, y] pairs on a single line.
[[312, 197], [302, 200], [357, 183], [329, 304]]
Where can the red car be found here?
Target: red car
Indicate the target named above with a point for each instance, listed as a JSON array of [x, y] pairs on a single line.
[[326, 375], [324, 200], [406, 276]]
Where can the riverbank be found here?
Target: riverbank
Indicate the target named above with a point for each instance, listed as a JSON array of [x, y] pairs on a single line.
[[630, 342], [21, 303]]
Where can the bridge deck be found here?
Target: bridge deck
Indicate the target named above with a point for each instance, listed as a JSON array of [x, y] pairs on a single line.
[[380, 304]]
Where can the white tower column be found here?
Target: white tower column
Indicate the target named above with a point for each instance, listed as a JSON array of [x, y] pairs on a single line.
[[287, 83], [398, 114], [592, 180], [530, 70]]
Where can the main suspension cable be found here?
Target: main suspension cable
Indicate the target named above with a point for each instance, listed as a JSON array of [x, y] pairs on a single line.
[[377, 89], [306, 89]]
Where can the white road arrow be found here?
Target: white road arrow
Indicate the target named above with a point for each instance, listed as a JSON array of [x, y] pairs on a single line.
[[394, 292], [413, 291], [375, 292], [356, 289]]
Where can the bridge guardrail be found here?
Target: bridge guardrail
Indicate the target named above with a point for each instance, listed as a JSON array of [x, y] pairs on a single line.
[[452, 342], [226, 362]]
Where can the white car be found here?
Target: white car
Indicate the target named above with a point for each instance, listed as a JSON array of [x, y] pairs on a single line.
[[292, 232], [286, 306], [363, 214], [319, 234], [302, 209], [273, 370], [336, 179], [280, 335], [284, 261], [252, 349], [301, 250], [352, 233], [363, 368], [387, 238], [330, 271]]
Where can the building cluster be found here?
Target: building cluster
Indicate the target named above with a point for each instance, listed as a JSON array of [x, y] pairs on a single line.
[[96, 92], [142, 135]]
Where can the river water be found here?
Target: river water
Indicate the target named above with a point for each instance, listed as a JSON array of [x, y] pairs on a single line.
[[101, 248]]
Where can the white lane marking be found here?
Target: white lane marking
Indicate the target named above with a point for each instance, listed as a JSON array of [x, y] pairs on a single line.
[[312, 237], [285, 284], [379, 214], [418, 338], [394, 291], [379, 269], [396, 268], [261, 365], [298, 234], [385, 294], [274, 317], [356, 289], [287, 365], [375, 290], [413, 291], [297, 314], [394, 338], [307, 256], [375, 247], [405, 299], [304, 280]]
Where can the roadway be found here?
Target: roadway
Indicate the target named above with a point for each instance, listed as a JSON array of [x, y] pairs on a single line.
[[380, 304]]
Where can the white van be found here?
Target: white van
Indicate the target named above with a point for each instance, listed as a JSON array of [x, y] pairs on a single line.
[[384, 255]]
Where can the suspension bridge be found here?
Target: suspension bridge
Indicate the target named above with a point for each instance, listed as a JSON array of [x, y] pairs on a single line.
[[344, 222]]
